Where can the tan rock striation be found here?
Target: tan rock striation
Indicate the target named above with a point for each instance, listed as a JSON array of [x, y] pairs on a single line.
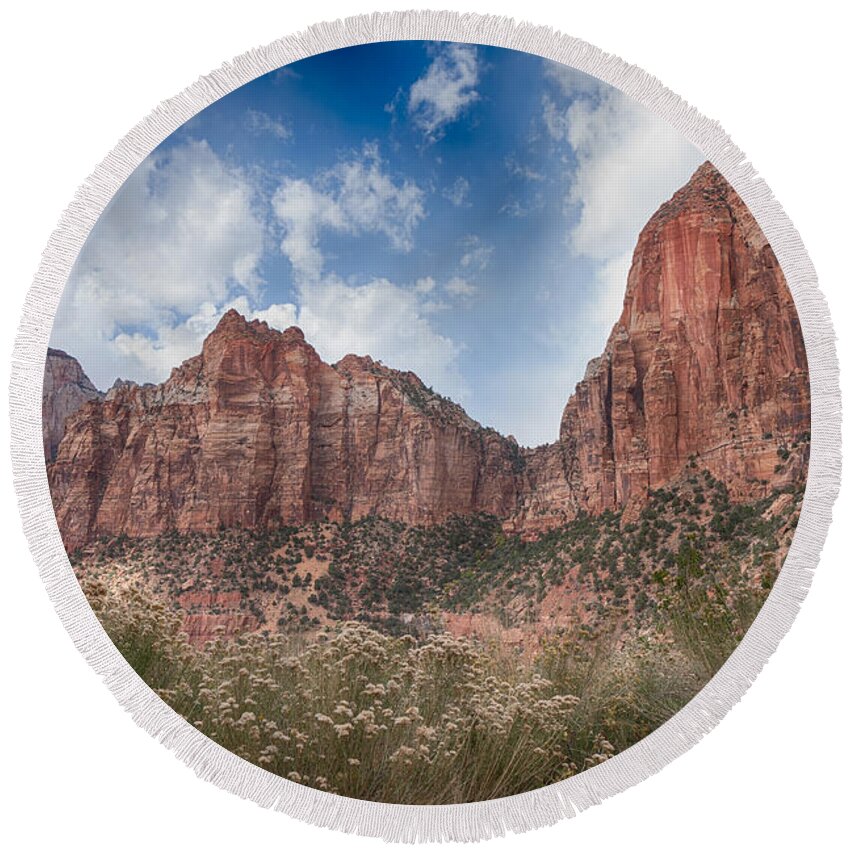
[[706, 363]]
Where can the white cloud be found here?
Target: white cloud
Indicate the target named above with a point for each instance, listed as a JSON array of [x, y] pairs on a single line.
[[519, 169], [628, 161], [258, 122], [286, 73], [458, 192], [428, 308], [379, 318], [384, 321], [573, 83], [622, 163], [425, 285], [446, 89], [182, 231], [476, 256], [355, 197], [611, 280], [461, 286], [555, 119], [304, 213], [514, 209]]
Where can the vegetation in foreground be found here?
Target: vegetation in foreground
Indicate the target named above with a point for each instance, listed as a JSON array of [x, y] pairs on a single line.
[[437, 720], [348, 679]]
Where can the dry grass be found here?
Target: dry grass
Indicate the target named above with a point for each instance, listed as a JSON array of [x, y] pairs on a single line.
[[442, 720]]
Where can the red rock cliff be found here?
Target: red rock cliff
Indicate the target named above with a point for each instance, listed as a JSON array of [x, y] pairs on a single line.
[[257, 431], [707, 359], [706, 362]]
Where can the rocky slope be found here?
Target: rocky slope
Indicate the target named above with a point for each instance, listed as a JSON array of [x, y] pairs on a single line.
[[465, 576], [706, 362], [65, 390]]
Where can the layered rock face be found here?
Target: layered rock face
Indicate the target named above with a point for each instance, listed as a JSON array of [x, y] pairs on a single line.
[[706, 363], [65, 390], [257, 430]]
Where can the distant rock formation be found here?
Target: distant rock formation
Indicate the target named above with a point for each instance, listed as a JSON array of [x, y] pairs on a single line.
[[705, 364], [66, 388]]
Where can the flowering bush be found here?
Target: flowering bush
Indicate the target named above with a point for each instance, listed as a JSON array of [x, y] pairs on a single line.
[[363, 714]]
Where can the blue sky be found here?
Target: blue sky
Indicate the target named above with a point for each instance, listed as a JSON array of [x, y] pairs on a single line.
[[465, 212]]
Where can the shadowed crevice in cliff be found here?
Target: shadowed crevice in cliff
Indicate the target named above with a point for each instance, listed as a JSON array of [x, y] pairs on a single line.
[[705, 363]]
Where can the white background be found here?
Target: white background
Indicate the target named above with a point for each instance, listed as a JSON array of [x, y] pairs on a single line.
[[76, 77]]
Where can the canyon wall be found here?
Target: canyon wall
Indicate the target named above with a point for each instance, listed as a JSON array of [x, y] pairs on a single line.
[[706, 364], [257, 430]]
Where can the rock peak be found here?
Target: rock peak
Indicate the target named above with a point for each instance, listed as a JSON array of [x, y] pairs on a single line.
[[233, 323], [58, 352], [231, 319], [66, 388], [706, 365], [354, 362], [294, 333]]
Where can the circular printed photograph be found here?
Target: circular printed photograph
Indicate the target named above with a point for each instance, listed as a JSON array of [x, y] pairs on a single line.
[[426, 422]]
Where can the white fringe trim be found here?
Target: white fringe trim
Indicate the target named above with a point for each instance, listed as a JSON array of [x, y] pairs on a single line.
[[471, 821]]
